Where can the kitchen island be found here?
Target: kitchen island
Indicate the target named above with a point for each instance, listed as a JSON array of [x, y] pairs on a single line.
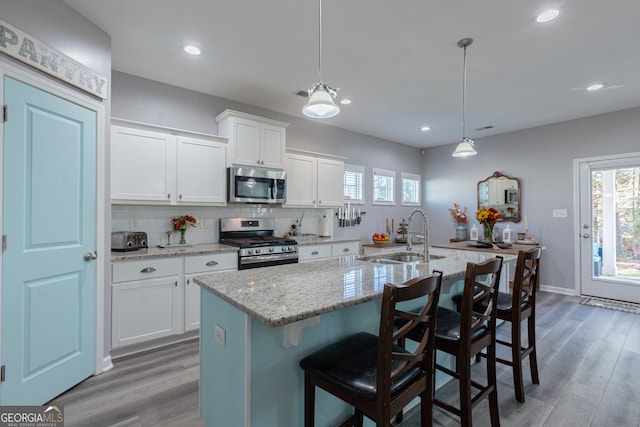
[[257, 324]]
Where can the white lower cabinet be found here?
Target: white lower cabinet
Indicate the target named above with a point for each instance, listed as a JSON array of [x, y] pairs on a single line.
[[327, 251], [197, 266], [145, 302], [157, 298]]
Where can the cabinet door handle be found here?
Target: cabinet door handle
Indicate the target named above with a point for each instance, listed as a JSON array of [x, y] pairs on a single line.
[[345, 250], [180, 196], [148, 270], [168, 195], [314, 253], [188, 281], [319, 202], [175, 283], [211, 263]]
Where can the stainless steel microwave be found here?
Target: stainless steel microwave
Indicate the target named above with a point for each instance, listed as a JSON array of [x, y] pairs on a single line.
[[256, 185]]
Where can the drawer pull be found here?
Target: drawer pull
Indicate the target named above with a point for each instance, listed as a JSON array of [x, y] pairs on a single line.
[[211, 263], [314, 253], [345, 250], [148, 270]]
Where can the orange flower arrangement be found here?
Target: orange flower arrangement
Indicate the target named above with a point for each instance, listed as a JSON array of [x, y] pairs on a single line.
[[488, 216]]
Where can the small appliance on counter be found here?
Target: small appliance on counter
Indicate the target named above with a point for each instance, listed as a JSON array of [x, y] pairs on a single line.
[[123, 241]]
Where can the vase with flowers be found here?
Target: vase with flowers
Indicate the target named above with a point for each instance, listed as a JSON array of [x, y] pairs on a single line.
[[459, 216], [181, 223], [488, 217]]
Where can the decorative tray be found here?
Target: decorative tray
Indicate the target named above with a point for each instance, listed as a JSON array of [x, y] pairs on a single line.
[[527, 242], [381, 242]]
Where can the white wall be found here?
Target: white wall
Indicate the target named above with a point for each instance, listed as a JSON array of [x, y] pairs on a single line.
[[542, 158]]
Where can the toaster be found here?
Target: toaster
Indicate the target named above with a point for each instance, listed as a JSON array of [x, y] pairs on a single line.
[[128, 240]]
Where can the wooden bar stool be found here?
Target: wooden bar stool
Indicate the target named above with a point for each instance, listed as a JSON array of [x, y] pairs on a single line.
[[517, 307], [371, 373], [465, 334]]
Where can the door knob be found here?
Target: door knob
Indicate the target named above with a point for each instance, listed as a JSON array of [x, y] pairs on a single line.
[[586, 235], [90, 256]]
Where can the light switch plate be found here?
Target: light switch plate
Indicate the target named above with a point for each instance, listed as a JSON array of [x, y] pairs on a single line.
[[559, 213]]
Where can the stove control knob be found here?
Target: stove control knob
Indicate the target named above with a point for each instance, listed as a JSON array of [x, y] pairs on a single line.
[[271, 249], [257, 250], [250, 251]]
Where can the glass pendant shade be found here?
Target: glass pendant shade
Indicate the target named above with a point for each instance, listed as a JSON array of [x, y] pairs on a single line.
[[465, 148], [321, 104]]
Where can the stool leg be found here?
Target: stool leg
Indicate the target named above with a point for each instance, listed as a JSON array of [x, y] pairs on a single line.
[[464, 369], [516, 358], [309, 401], [533, 358], [492, 381]]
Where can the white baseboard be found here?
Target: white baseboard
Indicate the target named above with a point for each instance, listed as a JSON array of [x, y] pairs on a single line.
[[558, 290]]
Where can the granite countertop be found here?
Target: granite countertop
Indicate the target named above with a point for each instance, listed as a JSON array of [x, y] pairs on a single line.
[[279, 295], [157, 252]]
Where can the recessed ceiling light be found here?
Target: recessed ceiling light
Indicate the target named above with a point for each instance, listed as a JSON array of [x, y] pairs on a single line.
[[595, 86], [425, 128], [192, 50], [345, 101], [548, 15]]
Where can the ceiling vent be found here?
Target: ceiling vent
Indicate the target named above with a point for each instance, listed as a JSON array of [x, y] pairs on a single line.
[[486, 127], [302, 93]]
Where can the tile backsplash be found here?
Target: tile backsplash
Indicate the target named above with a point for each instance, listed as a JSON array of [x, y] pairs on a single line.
[[156, 220]]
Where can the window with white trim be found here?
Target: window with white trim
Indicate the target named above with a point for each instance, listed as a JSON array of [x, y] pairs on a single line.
[[354, 184], [384, 182], [410, 189]]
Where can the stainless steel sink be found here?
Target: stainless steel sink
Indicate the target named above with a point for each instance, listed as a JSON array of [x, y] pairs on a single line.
[[399, 258]]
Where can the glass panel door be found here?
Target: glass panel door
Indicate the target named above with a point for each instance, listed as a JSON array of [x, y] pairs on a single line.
[[610, 228]]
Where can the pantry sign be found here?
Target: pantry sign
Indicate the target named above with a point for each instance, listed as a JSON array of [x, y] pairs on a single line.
[[23, 47]]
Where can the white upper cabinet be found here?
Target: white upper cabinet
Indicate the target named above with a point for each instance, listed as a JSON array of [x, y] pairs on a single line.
[[253, 140], [166, 167], [302, 175], [330, 183], [201, 171], [142, 165], [314, 182]]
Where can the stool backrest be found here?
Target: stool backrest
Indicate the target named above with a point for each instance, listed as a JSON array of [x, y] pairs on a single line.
[[480, 283], [525, 280], [423, 321]]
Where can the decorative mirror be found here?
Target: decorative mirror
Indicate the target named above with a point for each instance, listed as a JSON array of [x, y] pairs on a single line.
[[502, 193]]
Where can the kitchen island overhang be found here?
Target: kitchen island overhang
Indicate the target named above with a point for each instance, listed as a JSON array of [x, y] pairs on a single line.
[[253, 330]]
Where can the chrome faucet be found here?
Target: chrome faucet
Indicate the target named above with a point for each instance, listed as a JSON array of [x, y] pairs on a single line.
[[425, 232]]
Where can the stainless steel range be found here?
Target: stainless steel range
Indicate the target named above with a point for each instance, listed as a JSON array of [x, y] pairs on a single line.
[[258, 246]]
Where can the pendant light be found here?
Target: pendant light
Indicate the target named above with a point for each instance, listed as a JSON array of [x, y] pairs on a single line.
[[321, 103], [464, 148]]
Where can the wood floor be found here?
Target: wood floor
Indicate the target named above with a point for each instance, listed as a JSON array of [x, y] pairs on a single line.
[[588, 357]]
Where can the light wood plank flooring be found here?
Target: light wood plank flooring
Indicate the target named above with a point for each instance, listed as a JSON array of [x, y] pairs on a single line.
[[588, 357]]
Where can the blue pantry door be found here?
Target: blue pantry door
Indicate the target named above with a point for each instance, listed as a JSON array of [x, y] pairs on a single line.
[[49, 219]]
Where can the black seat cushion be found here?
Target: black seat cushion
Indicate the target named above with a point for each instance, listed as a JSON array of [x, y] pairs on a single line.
[[448, 325], [350, 365], [505, 304]]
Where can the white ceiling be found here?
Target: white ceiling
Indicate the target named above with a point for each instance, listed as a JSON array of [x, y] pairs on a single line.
[[397, 60]]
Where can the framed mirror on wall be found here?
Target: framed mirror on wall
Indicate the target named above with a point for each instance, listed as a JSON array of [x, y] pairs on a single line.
[[503, 193]]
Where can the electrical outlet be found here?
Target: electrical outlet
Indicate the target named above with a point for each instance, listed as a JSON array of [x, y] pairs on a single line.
[[221, 336], [559, 213], [133, 224]]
